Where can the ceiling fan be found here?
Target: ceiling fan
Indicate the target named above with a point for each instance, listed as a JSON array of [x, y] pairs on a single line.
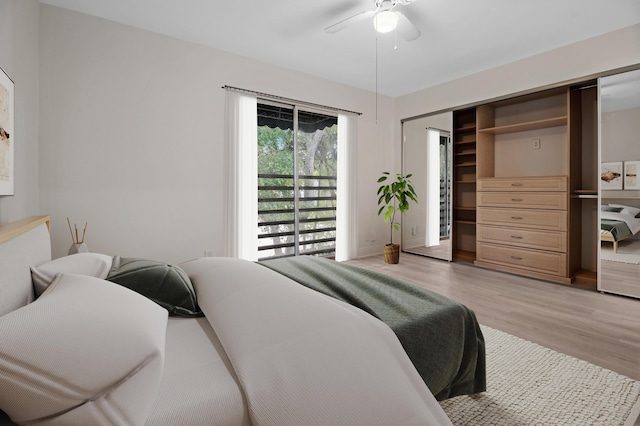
[[385, 19]]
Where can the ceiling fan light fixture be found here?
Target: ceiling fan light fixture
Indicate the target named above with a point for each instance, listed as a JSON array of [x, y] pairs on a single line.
[[385, 21]]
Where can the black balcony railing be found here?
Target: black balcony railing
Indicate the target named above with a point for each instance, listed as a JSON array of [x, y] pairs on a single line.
[[294, 221]]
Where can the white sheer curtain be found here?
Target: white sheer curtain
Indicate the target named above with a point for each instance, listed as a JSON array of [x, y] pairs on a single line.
[[241, 137], [346, 242], [432, 226]]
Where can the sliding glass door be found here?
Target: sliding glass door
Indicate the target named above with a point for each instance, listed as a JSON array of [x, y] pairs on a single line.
[[297, 181]]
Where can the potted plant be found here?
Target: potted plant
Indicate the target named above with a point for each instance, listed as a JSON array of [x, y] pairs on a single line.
[[394, 197]]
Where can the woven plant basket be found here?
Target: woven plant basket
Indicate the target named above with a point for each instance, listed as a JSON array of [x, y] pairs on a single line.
[[392, 253]]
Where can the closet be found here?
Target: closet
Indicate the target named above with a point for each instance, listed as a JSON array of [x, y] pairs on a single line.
[[518, 167], [464, 185]]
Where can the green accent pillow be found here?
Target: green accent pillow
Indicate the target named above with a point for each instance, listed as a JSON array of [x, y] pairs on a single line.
[[167, 285], [611, 209]]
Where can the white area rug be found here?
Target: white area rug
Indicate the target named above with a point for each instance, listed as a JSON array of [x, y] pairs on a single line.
[[528, 384], [628, 252]]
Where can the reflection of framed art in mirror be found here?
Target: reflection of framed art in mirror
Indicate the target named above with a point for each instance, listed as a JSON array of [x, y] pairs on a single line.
[[631, 169], [611, 175], [7, 138]]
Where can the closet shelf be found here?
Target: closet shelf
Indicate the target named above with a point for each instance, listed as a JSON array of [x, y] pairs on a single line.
[[523, 127], [464, 255], [466, 164], [470, 128], [585, 193]]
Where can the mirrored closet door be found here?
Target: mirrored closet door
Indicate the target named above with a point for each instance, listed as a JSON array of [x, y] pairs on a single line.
[[426, 154], [620, 184]]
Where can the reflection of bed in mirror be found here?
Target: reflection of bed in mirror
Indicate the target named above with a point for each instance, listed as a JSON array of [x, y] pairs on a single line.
[[619, 124], [617, 223], [426, 154]]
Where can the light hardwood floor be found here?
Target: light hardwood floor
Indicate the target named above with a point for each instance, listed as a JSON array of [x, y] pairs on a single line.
[[441, 251], [621, 278], [602, 329]]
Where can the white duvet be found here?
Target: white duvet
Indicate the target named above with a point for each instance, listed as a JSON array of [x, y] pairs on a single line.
[[631, 221], [302, 358]]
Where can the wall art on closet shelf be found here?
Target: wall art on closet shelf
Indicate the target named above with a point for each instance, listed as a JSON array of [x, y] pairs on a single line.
[[7, 138]]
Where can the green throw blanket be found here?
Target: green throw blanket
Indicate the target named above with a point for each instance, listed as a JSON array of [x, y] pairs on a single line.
[[617, 228], [442, 337]]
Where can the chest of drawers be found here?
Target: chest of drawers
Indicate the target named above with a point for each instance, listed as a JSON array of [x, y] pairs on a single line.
[[522, 226]]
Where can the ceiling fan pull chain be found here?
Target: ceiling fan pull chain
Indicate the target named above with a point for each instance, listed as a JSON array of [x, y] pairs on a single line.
[[376, 78]]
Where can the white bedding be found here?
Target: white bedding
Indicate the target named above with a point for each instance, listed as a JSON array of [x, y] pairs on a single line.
[[269, 352], [632, 222], [304, 358], [198, 386]]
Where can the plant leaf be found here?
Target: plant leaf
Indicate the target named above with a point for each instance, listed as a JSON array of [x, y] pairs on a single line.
[[389, 213], [395, 193]]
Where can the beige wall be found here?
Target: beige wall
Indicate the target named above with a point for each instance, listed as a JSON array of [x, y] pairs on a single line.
[[590, 57], [612, 51], [19, 59], [132, 132], [621, 142], [609, 51], [123, 128]]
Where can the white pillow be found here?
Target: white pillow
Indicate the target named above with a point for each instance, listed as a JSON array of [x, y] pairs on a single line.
[[628, 210], [91, 264], [87, 351]]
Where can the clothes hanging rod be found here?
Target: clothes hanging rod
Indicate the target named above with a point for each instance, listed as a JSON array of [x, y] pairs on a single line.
[[288, 100], [586, 87]]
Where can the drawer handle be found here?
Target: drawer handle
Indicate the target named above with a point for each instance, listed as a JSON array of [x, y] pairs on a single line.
[[516, 184], [516, 199], [516, 217], [516, 237], [516, 258]]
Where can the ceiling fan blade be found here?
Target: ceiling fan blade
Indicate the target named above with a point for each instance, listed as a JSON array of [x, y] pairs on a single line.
[[349, 21], [406, 28]]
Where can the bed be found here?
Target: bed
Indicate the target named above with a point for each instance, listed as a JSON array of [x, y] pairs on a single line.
[[618, 222], [257, 348]]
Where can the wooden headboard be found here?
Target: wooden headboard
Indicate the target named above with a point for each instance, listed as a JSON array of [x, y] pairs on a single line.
[[23, 244]]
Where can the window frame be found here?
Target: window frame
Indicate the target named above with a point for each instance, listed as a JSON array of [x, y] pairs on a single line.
[[296, 175]]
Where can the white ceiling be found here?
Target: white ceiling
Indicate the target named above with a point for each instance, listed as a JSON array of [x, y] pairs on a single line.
[[459, 37]]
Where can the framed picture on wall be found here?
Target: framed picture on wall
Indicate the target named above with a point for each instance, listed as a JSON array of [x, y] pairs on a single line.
[[631, 169], [7, 138], [611, 175]]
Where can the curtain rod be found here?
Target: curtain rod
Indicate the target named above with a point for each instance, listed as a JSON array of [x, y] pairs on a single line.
[[288, 100]]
